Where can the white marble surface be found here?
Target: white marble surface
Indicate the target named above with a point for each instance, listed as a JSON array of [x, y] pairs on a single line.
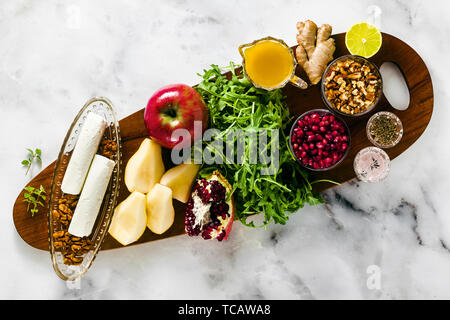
[[57, 54]]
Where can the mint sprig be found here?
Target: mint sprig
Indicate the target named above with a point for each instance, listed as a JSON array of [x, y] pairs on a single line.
[[32, 156], [34, 197]]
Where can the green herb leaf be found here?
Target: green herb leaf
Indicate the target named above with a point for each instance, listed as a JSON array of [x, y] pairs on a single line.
[[34, 197], [32, 155]]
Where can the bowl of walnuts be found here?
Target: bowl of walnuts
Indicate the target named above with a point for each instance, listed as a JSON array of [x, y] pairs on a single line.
[[351, 86]]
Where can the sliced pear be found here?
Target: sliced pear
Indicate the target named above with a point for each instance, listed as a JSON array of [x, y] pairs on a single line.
[[130, 219], [180, 179], [160, 212], [145, 168]]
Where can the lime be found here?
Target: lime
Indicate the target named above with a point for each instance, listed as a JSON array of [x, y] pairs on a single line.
[[363, 39]]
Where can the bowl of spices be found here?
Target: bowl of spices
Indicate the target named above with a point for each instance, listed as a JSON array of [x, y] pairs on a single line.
[[351, 86], [384, 129]]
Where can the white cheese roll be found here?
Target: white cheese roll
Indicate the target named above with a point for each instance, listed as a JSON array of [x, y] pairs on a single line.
[[91, 197], [83, 153]]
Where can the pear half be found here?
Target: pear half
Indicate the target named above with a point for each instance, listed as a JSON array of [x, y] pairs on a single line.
[[160, 212], [129, 220], [145, 168], [180, 179]]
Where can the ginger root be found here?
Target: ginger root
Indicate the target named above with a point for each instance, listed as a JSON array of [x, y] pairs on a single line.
[[315, 48]]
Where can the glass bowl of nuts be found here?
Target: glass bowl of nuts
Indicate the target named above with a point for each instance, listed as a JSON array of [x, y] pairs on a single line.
[[351, 86]]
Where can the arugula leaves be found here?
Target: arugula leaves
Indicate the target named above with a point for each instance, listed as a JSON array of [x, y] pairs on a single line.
[[236, 104]]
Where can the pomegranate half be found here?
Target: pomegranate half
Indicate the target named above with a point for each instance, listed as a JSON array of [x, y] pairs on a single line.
[[210, 208]]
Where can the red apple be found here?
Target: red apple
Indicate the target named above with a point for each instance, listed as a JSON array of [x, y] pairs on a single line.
[[172, 107]]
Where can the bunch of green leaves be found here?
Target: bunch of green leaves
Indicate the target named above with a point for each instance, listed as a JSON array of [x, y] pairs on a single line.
[[34, 197], [32, 156], [234, 103]]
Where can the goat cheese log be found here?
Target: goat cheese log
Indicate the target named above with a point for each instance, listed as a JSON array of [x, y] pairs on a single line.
[[91, 197], [83, 153]]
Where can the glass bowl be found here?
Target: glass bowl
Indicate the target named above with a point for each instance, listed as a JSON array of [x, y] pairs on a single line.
[[398, 133], [104, 108], [328, 72], [321, 112], [371, 164]]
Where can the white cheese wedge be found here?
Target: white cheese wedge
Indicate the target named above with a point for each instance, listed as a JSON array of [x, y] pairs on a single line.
[[83, 153], [91, 197]]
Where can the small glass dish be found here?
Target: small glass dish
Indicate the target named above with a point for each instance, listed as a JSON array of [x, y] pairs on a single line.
[[371, 164], [104, 108], [327, 73], [322, 113], [397, 135]]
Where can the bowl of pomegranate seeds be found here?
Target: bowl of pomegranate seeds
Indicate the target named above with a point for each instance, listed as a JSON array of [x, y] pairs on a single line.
[[319, 140]]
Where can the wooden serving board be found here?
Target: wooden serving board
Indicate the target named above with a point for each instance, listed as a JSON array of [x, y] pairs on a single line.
[[34, 231]]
